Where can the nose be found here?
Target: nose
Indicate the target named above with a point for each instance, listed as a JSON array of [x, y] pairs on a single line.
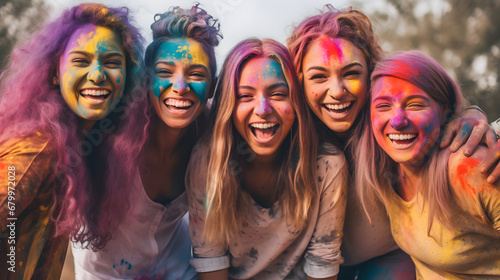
[[336, 89], [399, 119], [96, 74], [180, 86], [262, 108]]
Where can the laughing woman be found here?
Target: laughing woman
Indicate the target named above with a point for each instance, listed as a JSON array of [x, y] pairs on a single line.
[[152, 242], [443, 212], [264, 202], [334, 54], [65, 92]]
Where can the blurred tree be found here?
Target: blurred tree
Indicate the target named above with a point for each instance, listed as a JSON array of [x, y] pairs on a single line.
[[464, 36], [18, 19]]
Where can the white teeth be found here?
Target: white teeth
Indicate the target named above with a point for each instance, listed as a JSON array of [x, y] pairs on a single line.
[[338, 106], [95, 92], [262, 125], [402, 136], [179, 103]]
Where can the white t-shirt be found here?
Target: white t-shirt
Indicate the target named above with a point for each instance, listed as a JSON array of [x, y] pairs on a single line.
[[152, 241]]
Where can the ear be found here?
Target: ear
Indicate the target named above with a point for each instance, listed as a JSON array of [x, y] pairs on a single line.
[[446, 114]]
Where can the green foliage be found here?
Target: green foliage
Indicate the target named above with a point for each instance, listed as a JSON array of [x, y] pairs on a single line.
[[18, 19], [464, 36]]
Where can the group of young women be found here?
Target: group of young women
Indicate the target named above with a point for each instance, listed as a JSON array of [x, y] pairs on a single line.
[[322, 160]]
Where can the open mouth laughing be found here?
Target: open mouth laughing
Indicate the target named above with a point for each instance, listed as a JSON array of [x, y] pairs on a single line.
[[178, 105], [402, 140], [339, 108], [264, 131], [95, 94]]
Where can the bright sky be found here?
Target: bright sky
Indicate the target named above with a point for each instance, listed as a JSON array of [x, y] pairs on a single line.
[[239, 19]]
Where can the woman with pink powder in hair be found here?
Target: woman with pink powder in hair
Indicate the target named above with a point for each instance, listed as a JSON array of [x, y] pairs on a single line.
[[334, 54]]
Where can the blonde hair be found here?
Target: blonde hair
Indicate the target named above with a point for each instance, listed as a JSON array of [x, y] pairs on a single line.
[[297, 175], [377, 172]]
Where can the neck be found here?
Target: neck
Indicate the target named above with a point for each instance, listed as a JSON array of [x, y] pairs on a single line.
[[163, 139], [85, 125], [409, 181]]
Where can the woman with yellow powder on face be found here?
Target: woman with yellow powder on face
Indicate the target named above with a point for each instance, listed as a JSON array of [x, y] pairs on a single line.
[[152, 242], [63, 87]]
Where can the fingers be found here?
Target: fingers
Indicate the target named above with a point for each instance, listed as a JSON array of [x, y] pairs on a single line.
[[449, 131], [489, 162], [479, 132], [461, 137]]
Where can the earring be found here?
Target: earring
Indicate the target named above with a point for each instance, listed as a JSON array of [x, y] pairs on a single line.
[[345, 90], [55, 81]]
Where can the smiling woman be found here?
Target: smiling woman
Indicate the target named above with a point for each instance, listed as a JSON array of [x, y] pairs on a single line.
[[59, 128], [264, 201], [92, 72], [443, 212]]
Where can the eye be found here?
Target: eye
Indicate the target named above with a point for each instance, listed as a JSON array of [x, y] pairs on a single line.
[[382, 107], [113, 63], [244, 96], [352, 74], [198, 75], [80, 62], [318, 77], [416, 105], [163, 72], [279, 95]]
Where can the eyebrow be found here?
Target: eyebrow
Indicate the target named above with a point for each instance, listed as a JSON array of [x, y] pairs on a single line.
[[90, 54], [271, 87], [388, 97], [352, 64]]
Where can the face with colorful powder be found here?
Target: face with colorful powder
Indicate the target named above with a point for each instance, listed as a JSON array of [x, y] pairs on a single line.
[[406, 121], [263, 114], [181, 81], [92, 72], [335, 81]]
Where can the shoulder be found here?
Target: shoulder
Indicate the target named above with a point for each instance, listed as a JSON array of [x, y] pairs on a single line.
[[330, 164], [38, 144], [465, 175]]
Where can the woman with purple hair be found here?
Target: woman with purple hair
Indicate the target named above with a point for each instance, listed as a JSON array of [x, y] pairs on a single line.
[[152, 241], [64, 94]]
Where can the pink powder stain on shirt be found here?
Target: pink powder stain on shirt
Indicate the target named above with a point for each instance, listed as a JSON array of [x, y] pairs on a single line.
[[465, 169]]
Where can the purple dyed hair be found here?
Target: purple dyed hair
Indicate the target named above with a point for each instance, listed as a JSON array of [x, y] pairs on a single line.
[[89, 197]]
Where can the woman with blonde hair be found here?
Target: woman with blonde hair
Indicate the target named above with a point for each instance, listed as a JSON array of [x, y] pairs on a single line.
[[265, 202], [443, 212]]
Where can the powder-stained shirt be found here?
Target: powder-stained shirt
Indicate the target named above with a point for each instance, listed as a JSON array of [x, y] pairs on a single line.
[[27, 183], [365, 239], [152, 242], [267, 247], [470, 248]]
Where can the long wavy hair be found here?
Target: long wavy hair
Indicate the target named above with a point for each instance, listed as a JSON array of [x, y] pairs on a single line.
[[297, 179], [348, 24], [377, 172], [88, 197]]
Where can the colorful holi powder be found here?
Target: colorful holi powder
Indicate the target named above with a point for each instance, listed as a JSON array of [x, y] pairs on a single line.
[[466, 170], [331, 49], [186, 52]]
